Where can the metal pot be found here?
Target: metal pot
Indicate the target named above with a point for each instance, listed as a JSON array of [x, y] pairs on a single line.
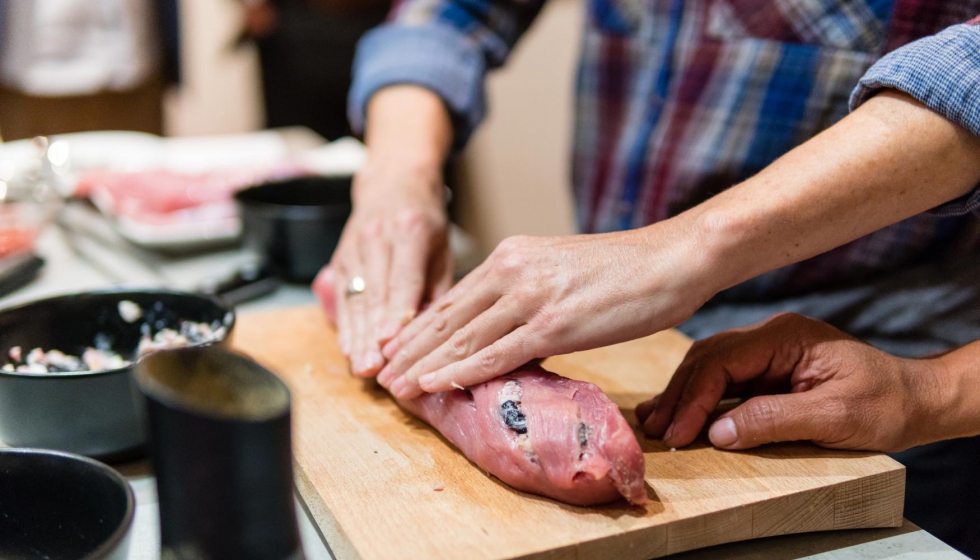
[[295, 225], [93, 413], [57, 505]]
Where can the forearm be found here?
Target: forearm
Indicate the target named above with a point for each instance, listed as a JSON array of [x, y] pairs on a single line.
[[408, 133], [889, 160]]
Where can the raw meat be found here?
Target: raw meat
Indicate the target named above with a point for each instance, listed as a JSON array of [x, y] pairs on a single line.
[[164, 196], [16, 240], [542, 433], [536, 431]]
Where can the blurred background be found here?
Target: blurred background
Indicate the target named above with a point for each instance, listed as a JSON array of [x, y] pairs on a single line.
[[137, 137], [200, 68]]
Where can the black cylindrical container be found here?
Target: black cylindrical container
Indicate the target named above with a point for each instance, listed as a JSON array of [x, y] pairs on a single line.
[[296, 224], [220, 443]]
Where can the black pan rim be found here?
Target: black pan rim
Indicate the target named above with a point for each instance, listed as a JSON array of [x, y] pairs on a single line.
[[120, 533], [274, 210], [114, 291], [245, 197]]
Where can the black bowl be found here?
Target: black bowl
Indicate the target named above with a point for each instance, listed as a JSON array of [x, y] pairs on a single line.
[[93, 413], [296, 224], [56, 505]]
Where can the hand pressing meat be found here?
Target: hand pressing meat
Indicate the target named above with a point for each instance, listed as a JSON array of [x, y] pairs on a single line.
[[537, 431], [543, 296]]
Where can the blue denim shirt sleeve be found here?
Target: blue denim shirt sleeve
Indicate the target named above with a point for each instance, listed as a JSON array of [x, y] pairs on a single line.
[[446, 46], [943, 73]]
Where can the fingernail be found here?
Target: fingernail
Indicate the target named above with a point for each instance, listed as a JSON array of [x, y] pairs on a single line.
[[372, 359], [390, 349], [384, 374], [355, 364], [345, 346], [427, 381], [366, 360], [398, 387], [669, 432], [723, 433]]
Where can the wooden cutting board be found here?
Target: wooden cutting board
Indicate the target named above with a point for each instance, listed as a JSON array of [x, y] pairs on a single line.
[[382, 484]]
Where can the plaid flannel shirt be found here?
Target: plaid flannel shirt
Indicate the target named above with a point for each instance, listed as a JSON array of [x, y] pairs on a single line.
[[678, 100]]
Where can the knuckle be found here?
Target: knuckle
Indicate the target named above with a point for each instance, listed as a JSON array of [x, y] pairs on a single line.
[[845, 420], [408, 286], [699, 386], [850, 415], [700, 348], [459, 344], [373, 227], [763, 414], [786, 317], [410, 220], [794, 324], [550, 320], [510, 255], [375, 298], [440, 322], [699, 345], [511, 244], [489, 358]]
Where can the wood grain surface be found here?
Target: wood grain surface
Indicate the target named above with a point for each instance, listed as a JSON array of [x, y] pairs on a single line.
[[382, 484]]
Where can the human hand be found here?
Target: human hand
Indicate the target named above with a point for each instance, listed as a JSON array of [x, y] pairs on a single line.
[[396, 241], [804, 380], [537, 297]]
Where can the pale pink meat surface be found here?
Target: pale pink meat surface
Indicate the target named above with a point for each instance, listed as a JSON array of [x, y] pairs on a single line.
[[537, 432], [576, 446], [163, 196]]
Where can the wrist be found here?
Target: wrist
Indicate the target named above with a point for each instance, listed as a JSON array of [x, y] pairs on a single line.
[[943, 399], [955, 410], [391, 181], [680, 252], [714, 244]]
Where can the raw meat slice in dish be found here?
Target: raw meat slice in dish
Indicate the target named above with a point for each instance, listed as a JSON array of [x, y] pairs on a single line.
[[536, 431]]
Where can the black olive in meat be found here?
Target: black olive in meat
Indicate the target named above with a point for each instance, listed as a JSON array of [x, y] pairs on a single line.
[[513, 417]]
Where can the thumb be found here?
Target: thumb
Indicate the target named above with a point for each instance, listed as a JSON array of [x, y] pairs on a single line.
[[773, 418]]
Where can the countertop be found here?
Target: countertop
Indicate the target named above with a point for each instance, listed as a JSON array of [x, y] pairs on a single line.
[[76, 263]]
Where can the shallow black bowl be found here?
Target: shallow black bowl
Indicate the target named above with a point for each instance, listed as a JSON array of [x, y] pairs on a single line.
[[94, 413], [296, 224], [57, 505]]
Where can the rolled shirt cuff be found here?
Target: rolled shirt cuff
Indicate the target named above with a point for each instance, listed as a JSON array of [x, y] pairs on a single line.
[[943, 73]]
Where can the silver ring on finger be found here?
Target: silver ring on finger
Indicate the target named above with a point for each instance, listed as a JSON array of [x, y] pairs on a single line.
[[355, 286]]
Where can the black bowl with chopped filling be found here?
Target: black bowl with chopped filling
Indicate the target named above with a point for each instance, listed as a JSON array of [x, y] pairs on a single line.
[[95, 412]]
